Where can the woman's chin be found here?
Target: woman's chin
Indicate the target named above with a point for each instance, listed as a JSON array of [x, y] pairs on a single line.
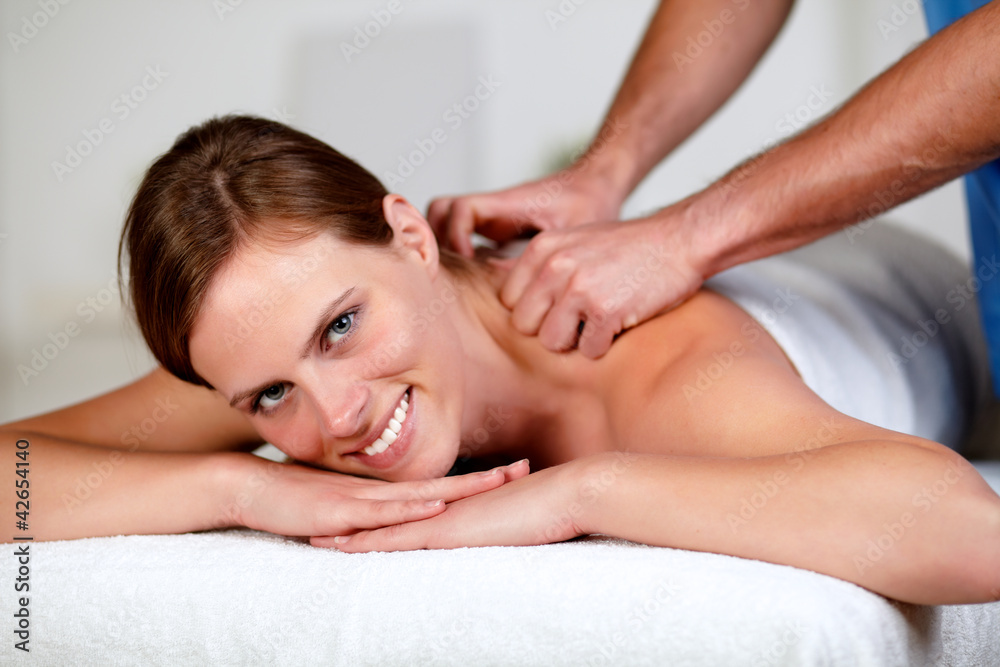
[[430, 470]]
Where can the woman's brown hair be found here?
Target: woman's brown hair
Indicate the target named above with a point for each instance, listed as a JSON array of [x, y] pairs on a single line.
[[224, 183]]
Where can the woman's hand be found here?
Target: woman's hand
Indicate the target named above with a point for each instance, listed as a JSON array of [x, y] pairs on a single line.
[[295, 500], [541, 508]]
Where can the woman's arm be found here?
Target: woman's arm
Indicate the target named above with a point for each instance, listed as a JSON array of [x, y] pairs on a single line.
[[912, 522], [150, 458], [155, 413], [71, 490], [915, 523]]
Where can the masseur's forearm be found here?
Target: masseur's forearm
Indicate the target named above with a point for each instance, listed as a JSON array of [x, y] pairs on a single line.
[[76, 490], [909, 522], [672, 87], [930, 118]]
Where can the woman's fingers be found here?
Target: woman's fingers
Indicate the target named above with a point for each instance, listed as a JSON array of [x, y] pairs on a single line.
[[448, 489], [400, 536], [356, 514], [516, 470], [529, 510]]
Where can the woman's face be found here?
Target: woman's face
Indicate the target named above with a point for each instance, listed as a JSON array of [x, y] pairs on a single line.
[[341, 355]]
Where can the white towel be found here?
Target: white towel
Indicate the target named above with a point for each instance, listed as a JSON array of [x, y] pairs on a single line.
[[880, 323]]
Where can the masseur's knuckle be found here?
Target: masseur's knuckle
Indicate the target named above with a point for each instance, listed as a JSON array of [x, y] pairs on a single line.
[[529, 311], [581, 288], [551, 339], [535, 251]]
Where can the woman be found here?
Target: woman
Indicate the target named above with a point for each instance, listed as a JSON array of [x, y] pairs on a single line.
[[291, 300]]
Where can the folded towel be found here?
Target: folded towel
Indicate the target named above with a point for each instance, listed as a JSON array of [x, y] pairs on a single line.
[[882, 324]]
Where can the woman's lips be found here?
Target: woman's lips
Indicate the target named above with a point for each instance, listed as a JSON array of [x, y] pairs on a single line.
[[400, 443]]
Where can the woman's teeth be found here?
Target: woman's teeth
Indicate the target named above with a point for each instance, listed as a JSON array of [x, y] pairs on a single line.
[[390, 434]]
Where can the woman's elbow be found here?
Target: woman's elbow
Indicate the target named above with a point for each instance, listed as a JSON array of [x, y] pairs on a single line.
[[973, 561], [990, 563]]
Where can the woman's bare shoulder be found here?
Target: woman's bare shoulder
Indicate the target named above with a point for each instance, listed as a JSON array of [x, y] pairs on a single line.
[[707, 380], [157, 412]]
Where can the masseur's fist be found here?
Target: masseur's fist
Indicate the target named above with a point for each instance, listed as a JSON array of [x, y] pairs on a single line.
[[296, 500], [604, 277], [564, 199]]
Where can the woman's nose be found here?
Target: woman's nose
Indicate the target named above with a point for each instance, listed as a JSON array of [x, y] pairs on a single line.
[[341, 409]]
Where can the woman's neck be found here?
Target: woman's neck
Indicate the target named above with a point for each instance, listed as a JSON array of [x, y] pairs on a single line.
[[517, 393]]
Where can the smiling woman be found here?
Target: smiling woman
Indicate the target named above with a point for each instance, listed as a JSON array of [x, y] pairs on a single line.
[[290, 299]]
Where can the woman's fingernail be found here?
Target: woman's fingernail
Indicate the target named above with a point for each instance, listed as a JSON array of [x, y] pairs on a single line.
[[433, 503], [521, 461], [341, 539], [489, 473]]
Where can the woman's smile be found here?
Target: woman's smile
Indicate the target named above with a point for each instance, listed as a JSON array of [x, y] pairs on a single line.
[[394, 436]]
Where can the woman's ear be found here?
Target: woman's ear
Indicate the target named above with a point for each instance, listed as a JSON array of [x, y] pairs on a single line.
[[411, 231]]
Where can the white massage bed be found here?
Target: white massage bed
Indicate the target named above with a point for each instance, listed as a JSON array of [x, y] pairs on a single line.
[[239, 597]]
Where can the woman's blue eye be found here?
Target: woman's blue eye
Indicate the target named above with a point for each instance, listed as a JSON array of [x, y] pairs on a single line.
[[271, 396], [339, 327]]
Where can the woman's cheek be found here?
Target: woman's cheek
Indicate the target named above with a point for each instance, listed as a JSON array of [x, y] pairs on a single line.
[[296, 439]]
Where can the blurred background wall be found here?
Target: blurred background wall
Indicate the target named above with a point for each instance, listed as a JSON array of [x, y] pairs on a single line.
[[91, 92]]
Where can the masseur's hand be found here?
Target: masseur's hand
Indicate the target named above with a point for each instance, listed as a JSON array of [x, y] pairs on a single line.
[[296, 500], [561, 200], [541, 508], [610, 276]]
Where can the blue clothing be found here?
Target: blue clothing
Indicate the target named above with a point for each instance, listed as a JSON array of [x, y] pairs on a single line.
[[982, 189]]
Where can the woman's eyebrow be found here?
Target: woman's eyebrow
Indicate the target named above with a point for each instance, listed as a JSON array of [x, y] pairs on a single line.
[[323, 320], [321, 323]]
